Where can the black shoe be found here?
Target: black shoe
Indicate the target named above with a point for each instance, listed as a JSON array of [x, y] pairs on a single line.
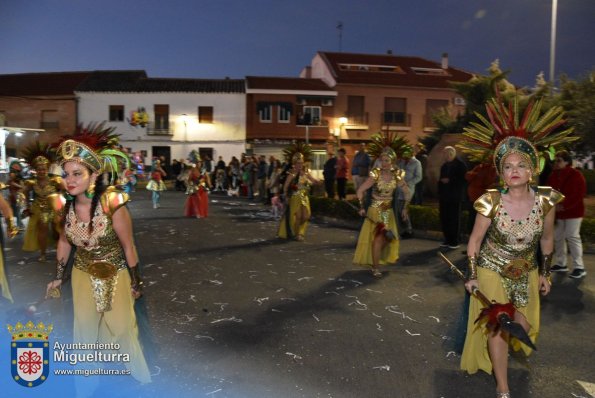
[[559, 268], [407, 235], [578, 273], [443, 244], [454, 246]]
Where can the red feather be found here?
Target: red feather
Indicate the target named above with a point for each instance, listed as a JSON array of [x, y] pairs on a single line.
[[493, 311]]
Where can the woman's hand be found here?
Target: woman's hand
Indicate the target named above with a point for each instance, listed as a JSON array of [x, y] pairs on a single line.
[[405, 213], [544, 285], [471, 285], [362, 212], [55, 284], [135, 293]]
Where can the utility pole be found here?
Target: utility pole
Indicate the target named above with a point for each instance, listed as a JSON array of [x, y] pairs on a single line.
[[340, 28]]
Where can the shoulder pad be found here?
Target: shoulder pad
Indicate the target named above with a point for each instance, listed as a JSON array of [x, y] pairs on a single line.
[[487, 205], [57, 202], [548, 198], [3, 186], [375, 173], [112, 199]]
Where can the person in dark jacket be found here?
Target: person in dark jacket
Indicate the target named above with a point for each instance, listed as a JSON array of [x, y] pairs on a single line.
[[451, 188], [329, 172]]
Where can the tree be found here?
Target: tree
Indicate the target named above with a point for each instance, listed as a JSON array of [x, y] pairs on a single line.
[[578, 100]]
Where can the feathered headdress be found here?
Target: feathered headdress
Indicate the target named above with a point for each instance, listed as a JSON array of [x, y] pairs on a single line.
[[95, 146], [505, 131], [293, 152], [388, 143], [38, 153]]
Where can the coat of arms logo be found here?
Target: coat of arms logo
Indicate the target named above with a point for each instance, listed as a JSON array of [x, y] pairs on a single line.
[[30, 353]]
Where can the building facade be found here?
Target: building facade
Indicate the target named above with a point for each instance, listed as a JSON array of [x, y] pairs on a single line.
[[167, 117]]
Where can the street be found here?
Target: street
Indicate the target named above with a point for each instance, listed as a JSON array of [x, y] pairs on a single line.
[[236, 312]]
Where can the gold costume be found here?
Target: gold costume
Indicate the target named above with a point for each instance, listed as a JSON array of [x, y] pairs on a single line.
[[381, 210], [298, 198], [507, 271], [103, 304], [41, 211]]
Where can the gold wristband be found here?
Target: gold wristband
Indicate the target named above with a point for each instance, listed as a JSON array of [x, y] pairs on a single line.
[[472, 267], [546, 265]]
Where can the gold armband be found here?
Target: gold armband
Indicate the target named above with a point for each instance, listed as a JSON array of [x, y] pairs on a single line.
[[472, 267], [545, 268]]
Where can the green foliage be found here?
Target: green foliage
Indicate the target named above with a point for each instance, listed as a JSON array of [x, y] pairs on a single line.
[[334, 208], [590, 178], [588, 230], [578, 100]]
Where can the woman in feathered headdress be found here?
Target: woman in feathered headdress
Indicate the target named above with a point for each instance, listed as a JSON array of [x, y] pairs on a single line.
[[40, 228], [12, 230], [510, 225], [377, 242], [94, 218], [296, 189]]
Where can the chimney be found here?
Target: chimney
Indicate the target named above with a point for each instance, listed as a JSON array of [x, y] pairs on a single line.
[[445, 61]]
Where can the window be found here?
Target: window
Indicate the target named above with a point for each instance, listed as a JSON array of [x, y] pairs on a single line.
[[116, 113], [161, 117], [265, 112], [355, 109], [311, 116], [49, 119], [395, 111], [429, 71], [284, 113], [205, 114]]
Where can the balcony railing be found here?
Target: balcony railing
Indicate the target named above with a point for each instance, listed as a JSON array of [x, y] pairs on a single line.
[[315, 122], [396, 119], [49, 125], [159, 129], [357, 118]]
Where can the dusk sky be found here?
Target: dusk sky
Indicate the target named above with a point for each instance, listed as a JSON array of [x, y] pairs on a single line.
[[238, 38]]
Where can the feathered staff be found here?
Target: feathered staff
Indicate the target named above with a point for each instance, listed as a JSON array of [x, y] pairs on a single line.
[[499, 316]]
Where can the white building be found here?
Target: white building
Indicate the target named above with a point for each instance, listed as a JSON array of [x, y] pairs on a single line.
[[181, 114]]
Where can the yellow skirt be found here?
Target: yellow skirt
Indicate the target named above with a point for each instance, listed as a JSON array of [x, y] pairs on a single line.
[[295, 205], [363, 251], [115, 326], [475, 352], [30, 243], [4, 281]]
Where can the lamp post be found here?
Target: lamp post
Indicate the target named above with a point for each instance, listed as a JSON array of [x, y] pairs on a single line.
[[185, 121], [342, 123], [553, 42]]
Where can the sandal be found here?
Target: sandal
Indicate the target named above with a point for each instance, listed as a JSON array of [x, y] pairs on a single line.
[[376, 273], [502, 394], [299, 238]]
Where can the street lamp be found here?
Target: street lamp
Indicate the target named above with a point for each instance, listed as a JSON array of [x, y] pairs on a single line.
[[553, 41], [342, 123], [185, 121]]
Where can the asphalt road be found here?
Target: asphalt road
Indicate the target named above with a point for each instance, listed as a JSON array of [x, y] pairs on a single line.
[[236, 312]]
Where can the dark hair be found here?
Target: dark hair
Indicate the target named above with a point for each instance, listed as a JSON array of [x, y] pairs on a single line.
[[342, 150], [564, 155]]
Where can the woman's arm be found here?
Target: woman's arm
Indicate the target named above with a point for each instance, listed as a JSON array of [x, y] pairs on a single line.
[[482, 223], [122, 224], [547, 250], [62, 254]]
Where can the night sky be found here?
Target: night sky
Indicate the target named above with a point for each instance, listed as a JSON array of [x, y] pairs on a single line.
[[236, 38]]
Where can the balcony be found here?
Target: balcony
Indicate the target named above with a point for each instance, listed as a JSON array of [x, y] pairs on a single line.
[[357, 119], [49, 125], [316, 122], [400, 119], [161, 129]]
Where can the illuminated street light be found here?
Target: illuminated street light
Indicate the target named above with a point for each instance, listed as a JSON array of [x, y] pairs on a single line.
[[553, 41]]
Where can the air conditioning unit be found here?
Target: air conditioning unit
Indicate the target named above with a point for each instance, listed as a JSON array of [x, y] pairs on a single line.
[[301, 102], [459, 101], [327, 102]]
